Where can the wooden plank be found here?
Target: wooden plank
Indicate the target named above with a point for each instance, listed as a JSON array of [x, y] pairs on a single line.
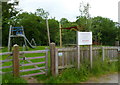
[[62, 60], [66, 49], [5, 72], [38, 51], [46, 61], [16, 60], [56, 61], [32, 64], [6, 53], [35, 57], [5, 67], [5, 60], [66, 66], [29, 75], [65, 55], [103, 54], [39, 68], [32, 58], [91, 58]]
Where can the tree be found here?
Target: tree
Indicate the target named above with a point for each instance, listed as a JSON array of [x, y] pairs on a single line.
[[104, 30], [68, 36], [42, 13], [34, 26], [84, 20], [54, 30], [9, 12]]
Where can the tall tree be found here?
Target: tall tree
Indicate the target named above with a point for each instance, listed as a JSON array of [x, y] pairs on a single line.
[[9, 12]]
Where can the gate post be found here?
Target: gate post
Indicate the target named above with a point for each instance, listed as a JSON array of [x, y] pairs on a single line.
[[16, 60], [53, 59]]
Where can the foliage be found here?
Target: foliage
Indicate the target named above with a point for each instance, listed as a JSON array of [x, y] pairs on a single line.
[[104, 30], [68, 36], [74, 75], [34, 24], [8, 18], [9, 79]]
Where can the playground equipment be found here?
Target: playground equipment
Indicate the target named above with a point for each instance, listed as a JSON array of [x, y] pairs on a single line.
[[75, 28], [33, 42], [15, 32]]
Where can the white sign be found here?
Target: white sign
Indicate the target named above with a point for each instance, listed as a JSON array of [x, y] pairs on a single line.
[[84, 38], [60, 54]]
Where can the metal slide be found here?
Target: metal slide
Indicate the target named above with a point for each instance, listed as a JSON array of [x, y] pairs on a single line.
[[29, 44]]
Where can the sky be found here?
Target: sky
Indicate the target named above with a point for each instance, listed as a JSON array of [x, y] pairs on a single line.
[[70, 8]]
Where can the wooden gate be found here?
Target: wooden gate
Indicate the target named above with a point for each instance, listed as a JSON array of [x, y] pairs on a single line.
[[23, 64]]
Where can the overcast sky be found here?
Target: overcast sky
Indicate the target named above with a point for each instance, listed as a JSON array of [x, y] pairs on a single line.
[[70, 8]]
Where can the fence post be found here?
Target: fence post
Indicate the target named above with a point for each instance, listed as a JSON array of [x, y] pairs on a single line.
[[78, 57], [91, 58], [103, 54], [16, 60], [53, 59], [46, 60]]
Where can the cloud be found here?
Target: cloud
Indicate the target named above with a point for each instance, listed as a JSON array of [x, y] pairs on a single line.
[[70, 8]]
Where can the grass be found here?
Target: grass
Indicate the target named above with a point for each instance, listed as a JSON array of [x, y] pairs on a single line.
[[72, 75], [9, 79]]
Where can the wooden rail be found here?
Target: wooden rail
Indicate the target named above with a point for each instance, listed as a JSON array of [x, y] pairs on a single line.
[[62, 58], [16, 62]]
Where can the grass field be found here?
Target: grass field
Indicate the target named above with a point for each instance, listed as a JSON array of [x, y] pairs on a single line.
[[72, 75]]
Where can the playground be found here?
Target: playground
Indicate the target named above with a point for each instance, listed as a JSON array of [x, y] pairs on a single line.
[[39, 49]]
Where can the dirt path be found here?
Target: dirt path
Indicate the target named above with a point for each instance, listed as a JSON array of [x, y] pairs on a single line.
[[31, 80], [109, 78]]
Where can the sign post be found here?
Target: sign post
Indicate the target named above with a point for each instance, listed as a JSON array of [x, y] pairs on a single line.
[[84, 38]]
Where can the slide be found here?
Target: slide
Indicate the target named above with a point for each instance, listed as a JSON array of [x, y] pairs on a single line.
[[29, 44]]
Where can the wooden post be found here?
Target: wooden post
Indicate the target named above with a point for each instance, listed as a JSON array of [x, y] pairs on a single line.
[[9, 39], [60, 35], [78, 53], [48, 32], [16, 60], [78, 60], [103, 54], [53, 59], [91, 56], [56, 61], [46, 61]]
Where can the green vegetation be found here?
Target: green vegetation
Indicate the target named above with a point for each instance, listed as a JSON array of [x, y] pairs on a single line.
[[9, 79], [104, 31], [71, 75], [74, 75], [34, 24]]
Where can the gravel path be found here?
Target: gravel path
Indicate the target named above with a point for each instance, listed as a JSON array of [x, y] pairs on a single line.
[[109, 78]]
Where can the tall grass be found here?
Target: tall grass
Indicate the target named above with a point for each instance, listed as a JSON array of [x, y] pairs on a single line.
[[74, 75]]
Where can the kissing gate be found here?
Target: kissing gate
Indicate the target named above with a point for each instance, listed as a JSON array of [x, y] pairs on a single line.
[[23, 65]]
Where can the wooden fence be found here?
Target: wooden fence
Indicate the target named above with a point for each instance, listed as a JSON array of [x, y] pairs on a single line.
[[62, 58], [16, 62]]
